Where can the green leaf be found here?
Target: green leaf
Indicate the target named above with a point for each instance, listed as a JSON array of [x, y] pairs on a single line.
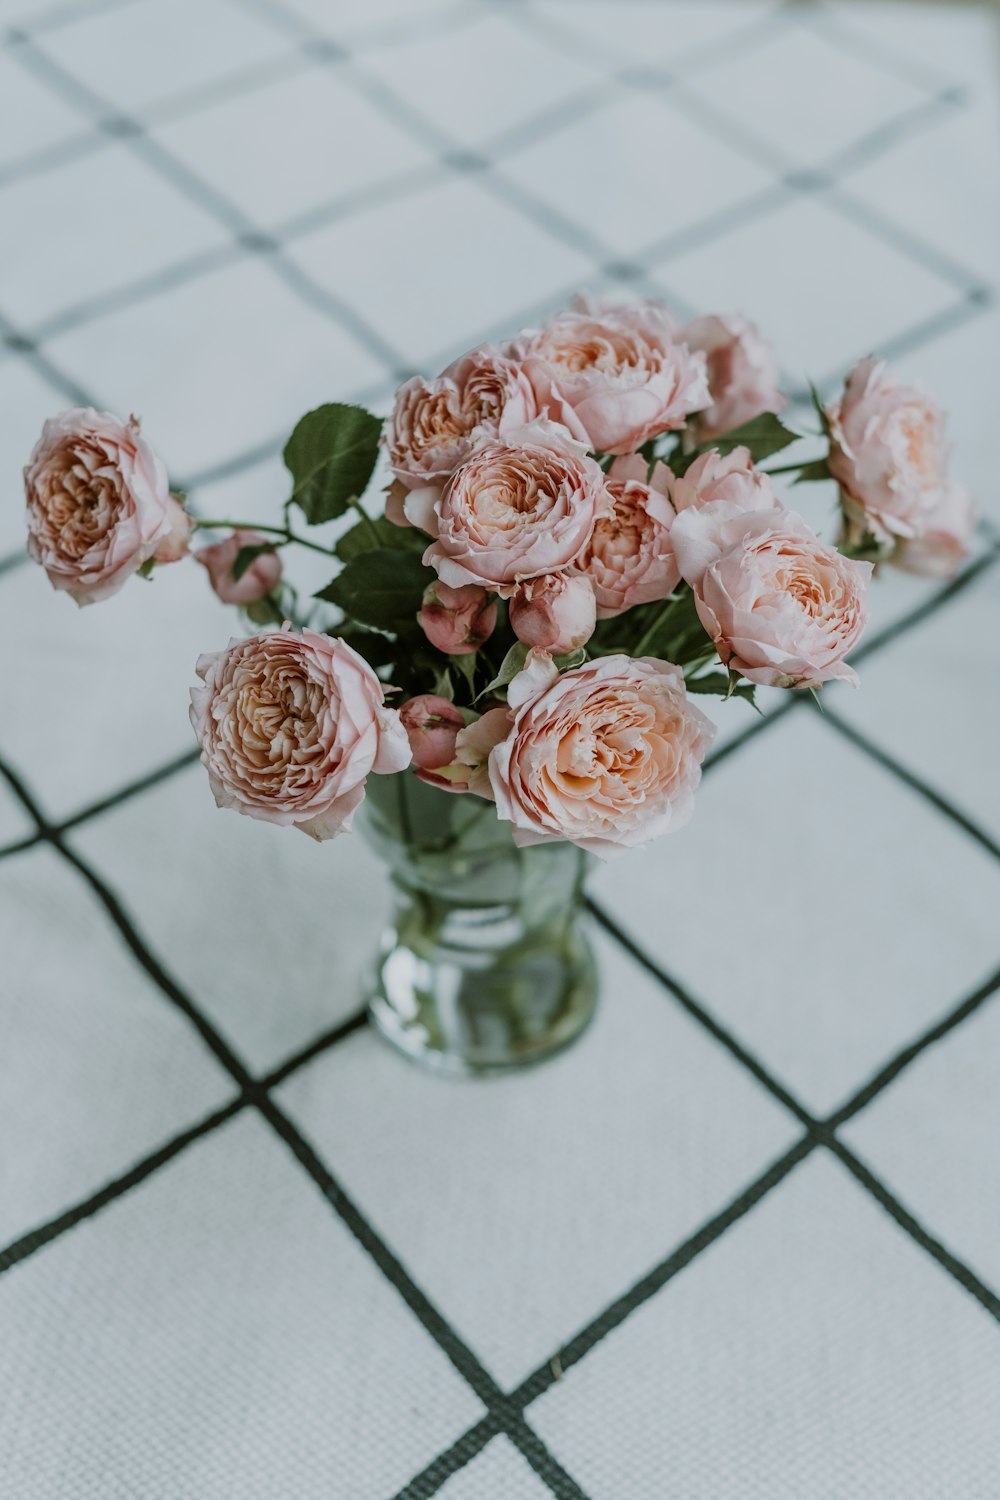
[[509, 668], [571, 659], [266, 611], [378, 650], [818, 469], [331, 455], [443, 686], [146, 569], [370, 535], [380, 588], [465, 666], [722, 685], [246, 555], [817, 402], [765, 435]]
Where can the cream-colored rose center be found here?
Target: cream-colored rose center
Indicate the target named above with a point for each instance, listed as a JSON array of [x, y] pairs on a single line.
[[276, 711], [78, 501], [606, 351]]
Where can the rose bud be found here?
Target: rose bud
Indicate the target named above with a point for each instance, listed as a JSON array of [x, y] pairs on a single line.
[[554, 613], [263, 574], [431, 725], [99, 505], [457, 621]]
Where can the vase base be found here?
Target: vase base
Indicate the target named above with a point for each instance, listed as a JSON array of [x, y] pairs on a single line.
[[481, 1030]]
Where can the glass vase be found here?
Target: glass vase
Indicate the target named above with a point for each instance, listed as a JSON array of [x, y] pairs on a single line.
[[485, 966]]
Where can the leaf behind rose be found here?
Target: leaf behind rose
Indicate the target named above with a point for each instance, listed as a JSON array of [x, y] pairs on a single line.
[[380, 588], [331, 455]]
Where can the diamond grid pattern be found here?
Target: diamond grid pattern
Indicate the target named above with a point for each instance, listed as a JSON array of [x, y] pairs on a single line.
[[406, 1327]]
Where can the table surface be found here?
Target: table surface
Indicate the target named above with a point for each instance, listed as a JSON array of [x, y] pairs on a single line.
[[743, 1240]]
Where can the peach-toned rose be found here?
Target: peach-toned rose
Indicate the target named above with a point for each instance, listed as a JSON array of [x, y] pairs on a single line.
[[782, 608], [290, 725], [713, 477], [888, 453], [263, 574], [432, 724], [556, 612], [98, 504], [457, 621], [624, 370], [742, 373], [435, 424], [946, 539], [630, 559], [514, 510], [606, 756]]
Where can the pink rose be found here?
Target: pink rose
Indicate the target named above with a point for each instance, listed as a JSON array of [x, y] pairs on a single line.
[[782, 608], [606, 756], [624, 371], [395, 503], [713, 477], [457, 621], [263, 574], [742, 373], [516, 509], [432, 724], [469, 770], [290, 725], [435, 424], [556, 612], [630, 558], [98, 504], [946, 539], [888, 453]]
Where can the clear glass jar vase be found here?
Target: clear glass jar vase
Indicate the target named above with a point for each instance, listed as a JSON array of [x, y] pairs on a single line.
[[485, 966]]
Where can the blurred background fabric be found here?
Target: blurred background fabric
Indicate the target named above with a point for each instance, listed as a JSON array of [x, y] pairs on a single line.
[[743, 1240]]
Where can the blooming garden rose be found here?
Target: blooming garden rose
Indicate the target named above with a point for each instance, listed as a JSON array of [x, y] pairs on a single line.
[[570, 549], [625, 371], [888, 452], [99, 505], [435, 424], [630, 558], [780, 608], [607, 755], [290, 724], [515, 510], [742, 373]]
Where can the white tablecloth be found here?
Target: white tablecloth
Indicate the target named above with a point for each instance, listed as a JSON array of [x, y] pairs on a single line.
[[743, 1240]]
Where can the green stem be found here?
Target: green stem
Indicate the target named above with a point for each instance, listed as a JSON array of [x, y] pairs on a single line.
[[654, 625], [289, 536], [366, 521]]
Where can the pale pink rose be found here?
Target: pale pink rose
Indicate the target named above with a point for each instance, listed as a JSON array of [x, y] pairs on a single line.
[[436, 424], [605, 756], [630, 558], [469, 770], [946, 540], [556, 612], [782, 608], [457, 620], [889, 454], [625, 371], [177, 541], [98, 504], [515, 510], [713, 477], [742, 373], [432, 724], [290, 724], [263, 574]]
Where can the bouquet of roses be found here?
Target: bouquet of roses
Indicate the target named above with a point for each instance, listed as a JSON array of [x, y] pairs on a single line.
[[581, 538]]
